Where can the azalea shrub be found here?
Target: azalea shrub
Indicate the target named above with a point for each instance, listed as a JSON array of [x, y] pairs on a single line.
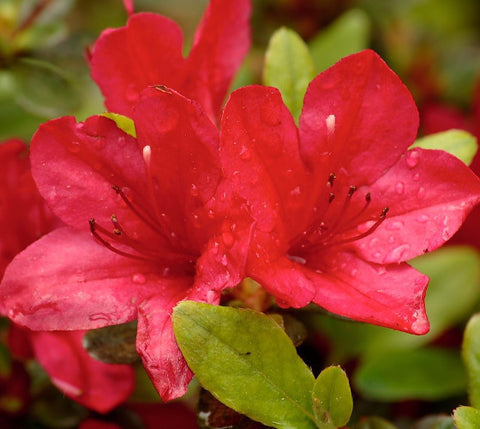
[[202, 239]]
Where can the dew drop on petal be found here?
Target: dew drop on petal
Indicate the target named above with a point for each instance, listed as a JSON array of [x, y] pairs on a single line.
[[244, 153], [193, 190], [395, 225], [224, 260], [131, 93], [421, 192], [228, 239], [215, 247], [412, 158], [397, 254], [295, 191], [416, 177], [74, 147], [139, 279], [399, 188], [211, 214], [422, 218]]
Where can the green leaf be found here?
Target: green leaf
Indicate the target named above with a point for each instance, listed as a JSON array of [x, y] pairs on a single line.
[[348, 34], [332, 398], [123, 122], [456, 142], [471, 358], [289, 67], [373, 423], [467, 418], [429, 374], [247, 362]]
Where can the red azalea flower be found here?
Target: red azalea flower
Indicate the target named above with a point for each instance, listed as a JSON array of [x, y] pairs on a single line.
[[340, 204], [148, 51], [145, 229], [24, 217], [438, 117]]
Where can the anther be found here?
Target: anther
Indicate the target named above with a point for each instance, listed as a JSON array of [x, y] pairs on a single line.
[[331, 197], [368, 197], [351, 191], [331, 179], [384, 213]]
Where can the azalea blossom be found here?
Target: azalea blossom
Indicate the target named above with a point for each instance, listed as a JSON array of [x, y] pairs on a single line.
[[148, 51], [340, 204], [144, 229], [25, 217]]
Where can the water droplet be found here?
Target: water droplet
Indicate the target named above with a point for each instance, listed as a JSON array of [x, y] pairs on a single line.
[[296, 191], [139, 279], [99, 316], [194, 190], [224, 260], [244, 153], [330, 123], [399, 188], [412, 158], [228, 239], [416, 177], [446, 234], [215, 247], [422, 218], [131, 93], [211, 214], [421, 192], [397, 254], [74, 147], [394, 225], [354, 272]]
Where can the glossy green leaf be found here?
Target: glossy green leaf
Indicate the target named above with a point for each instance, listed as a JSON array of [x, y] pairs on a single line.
[[373, 423], [289, 67], [471, 358], [428, 373], [123, 122], [348, 34], [456, 142], [247, 362], [332, 398], [467, 418]]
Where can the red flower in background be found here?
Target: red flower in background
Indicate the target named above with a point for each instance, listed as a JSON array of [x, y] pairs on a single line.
[[24, 217], [437, 117], [340, 204], [148, 51]]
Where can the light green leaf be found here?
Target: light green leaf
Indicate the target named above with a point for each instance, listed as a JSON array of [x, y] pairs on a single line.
[[123, 122], [332, 398], [289, 67], [373, 423], [456, 142], [467, 418], [471, 358], [348, 34], [428, 373], [247, 362], [439, 421]]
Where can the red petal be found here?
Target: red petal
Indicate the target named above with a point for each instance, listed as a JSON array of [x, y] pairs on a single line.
[[260, 154], [157, 346], [385, 295], [221, 42], [183, 161], [75, 166], [66, 280], [148, 51], [357, 119], [95, 384], [429, 193]]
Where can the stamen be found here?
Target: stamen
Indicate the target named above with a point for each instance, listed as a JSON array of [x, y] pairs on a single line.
[[330, 123], [351, 191], [331, 179], [331, 197], [93, 229], [147, 155], [117, 229]]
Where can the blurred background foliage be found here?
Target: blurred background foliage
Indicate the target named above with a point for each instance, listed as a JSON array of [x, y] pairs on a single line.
[[434, 45]]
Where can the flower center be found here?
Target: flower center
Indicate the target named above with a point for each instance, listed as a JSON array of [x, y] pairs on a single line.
[[162, 247], [336, 226]]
